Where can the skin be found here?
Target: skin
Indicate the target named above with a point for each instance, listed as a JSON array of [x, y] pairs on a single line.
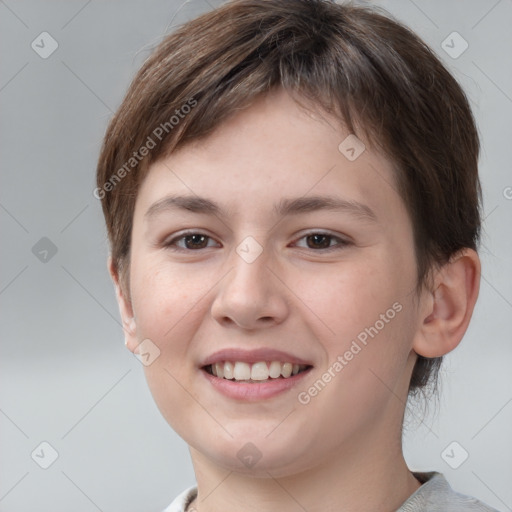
[[295, 297]]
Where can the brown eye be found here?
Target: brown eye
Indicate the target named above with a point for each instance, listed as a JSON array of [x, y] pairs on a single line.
[[318, 241], [322, 242], [190, 242], [196, 241]]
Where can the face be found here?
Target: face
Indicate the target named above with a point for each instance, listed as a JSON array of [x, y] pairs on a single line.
[[269, 246]]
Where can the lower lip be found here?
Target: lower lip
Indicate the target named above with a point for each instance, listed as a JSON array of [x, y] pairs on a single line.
[[254, 391]]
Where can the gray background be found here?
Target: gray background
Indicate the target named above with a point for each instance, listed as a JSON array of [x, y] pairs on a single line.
[[65, 375]]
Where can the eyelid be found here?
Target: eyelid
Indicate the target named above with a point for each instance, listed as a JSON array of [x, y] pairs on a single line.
[[342, 241], [171, 242]]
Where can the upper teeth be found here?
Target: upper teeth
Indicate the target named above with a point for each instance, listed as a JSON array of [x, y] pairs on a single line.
[[257, 371]]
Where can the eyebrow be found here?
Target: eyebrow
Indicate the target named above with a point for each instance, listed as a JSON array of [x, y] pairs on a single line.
[[283, 208]]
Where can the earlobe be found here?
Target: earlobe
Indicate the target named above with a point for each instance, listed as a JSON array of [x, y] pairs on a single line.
[[446, 311], [125, 309]]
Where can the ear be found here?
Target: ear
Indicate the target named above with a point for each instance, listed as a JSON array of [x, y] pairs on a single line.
[[125, 308], [446, 311]]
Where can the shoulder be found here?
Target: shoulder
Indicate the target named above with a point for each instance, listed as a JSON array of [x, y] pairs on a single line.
[[181, 502], [433, 496], [436, 494]]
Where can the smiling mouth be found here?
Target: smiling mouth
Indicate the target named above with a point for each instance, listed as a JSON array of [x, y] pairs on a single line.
[[256, 372]]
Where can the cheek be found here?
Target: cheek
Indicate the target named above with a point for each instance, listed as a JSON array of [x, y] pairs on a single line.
[[169, 306], [365, 377], [352, 296], [367, 323], [165, 299]]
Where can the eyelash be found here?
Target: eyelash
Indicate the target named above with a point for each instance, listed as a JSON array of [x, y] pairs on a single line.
[[172, 244]]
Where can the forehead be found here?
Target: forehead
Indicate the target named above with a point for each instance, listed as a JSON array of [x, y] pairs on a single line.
[[270, 152]]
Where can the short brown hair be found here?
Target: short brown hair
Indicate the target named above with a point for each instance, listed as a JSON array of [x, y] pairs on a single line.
[[370, 71]]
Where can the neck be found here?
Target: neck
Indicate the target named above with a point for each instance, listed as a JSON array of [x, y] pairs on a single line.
[[354, 479]]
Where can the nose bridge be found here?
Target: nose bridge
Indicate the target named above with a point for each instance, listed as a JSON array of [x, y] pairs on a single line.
[[249, 295], [250, 275]]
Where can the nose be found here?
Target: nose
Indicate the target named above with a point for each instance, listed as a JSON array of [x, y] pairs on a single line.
[[250, 296]]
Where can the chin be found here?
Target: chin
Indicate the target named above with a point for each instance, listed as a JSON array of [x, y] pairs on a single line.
[[257, 455]]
